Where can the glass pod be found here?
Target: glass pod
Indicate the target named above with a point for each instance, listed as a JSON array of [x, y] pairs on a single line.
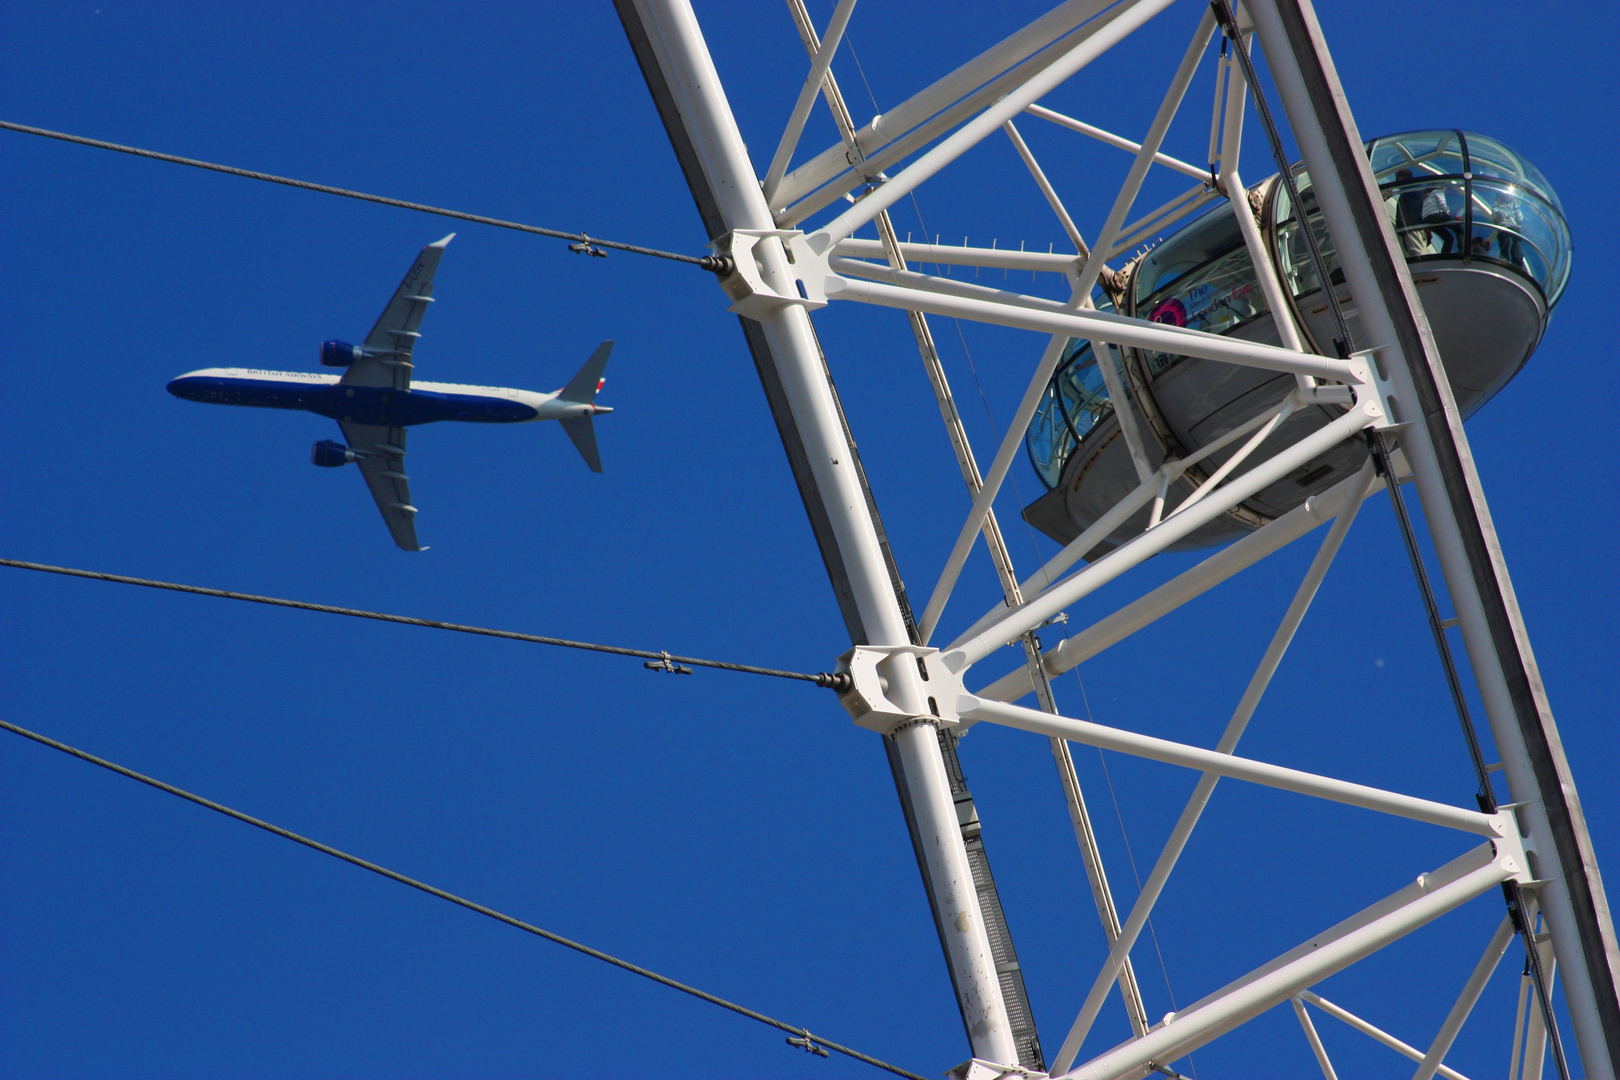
[[1489, 251]]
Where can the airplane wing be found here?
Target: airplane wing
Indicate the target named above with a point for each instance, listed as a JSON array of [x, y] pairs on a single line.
[[388, 347], [383, 465]]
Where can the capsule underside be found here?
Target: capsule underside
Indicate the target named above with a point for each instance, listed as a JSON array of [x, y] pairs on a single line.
[[1459, 204]]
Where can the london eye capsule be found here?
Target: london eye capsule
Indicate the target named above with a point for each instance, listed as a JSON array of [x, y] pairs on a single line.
[[1489, 250]]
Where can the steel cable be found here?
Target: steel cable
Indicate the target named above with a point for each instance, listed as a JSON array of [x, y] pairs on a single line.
[[707, 262], [837, 681], [1229, 28], [354, 860], [1517, 906]]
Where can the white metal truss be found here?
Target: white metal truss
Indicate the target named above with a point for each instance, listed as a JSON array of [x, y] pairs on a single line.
[[920, 696]]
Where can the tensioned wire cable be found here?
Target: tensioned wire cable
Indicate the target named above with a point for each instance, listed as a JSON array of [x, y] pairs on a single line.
[[837, 681], [798, 1036], [716, 263]]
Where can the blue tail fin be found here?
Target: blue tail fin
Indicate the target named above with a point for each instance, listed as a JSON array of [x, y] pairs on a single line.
[[582, 387]]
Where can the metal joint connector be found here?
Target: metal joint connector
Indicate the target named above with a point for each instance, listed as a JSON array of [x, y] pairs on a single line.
[[1512, 847], [1372, 389], [979, 1069], [753, 296], [878, 674]]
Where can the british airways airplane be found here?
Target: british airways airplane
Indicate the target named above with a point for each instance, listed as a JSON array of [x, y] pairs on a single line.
[[374, 400]]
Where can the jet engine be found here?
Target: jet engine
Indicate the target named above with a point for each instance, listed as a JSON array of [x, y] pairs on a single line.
[[339, 353], [329, 454]]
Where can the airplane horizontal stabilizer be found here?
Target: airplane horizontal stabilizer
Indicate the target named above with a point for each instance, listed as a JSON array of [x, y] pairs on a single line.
[[583, 432]]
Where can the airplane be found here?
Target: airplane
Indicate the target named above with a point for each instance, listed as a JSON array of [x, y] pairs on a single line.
[[375, 400]]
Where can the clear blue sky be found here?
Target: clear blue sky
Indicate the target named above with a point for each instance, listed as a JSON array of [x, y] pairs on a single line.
[[732, 831]]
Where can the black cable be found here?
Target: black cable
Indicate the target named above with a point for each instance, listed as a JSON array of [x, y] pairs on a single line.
[[1431, 607], [837, 681], [1229, 28], [716, 263], [1487, 796], [800, 1033]]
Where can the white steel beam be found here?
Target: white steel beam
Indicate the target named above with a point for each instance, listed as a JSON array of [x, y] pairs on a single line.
[[1265, 268], [1075, 549], [1314, 1039], [680, 72], [1377, 1034], [1035, 612], [1535, 1028], [1519, 1022], [1237, 91], [1213, 480], [1074, 797], [1213, 761], [1151, 142], [945, 152], [1459, 521], [1050, 194], [1026, 1039], [1113, 518], [976, 130], [1198, 1024], [1114, 140], [1107, 362], [941, 105], [961, 255], [1194, 198], [1189, 585], [807, 96], [1091, 855], [1465, 1001], [1042, 315], [985, 499], [1239, 722]]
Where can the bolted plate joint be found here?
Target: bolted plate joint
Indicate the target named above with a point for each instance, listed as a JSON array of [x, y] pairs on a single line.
[[756, 288], [979, 1069], [884, 679]]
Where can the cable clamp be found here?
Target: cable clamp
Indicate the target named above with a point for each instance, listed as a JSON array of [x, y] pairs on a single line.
[[877, 674], [667, 664], [835, 680], [718, 264], [584, 247], [806, 1043]]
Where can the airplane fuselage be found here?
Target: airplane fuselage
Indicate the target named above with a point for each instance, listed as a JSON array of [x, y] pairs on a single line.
[[423, 403]]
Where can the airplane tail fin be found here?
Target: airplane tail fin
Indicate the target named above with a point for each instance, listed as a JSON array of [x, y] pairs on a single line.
[[583, 386], [583, 432], [581, 389]]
